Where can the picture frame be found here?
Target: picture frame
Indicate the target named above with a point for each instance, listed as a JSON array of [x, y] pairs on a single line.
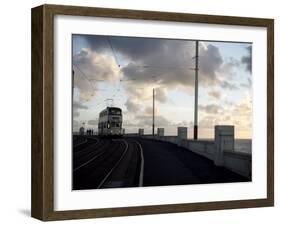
[[43, 108]]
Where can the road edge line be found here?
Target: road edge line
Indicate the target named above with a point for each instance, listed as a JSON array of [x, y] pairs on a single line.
[[142, 165]]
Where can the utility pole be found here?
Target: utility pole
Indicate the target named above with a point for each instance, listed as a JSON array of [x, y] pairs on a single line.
[[195, 131], [72, 79], [153, 108]]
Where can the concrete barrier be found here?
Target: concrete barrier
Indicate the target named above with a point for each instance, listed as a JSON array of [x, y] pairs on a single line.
[[141, 132], [182, 132], [160, 132], [201, 147], [238, 162]]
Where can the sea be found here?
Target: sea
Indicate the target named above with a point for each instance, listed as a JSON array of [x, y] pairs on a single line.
[[240, 145], [243, 145]]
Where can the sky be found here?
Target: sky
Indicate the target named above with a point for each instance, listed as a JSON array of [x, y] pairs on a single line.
[[123, 71]]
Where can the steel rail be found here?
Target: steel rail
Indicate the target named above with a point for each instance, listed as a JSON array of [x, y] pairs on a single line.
[[115, 165]]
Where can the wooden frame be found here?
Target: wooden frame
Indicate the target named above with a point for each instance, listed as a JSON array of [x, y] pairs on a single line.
[[42, 111]]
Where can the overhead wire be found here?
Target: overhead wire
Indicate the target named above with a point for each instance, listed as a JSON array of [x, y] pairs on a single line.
[[84, 76], [113, 51]]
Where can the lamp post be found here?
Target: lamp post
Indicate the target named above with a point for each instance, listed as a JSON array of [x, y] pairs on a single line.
[[153, 103], [195, 131], [153, 110]]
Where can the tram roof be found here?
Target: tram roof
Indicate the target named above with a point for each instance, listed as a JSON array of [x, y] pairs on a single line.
[[109, 108]]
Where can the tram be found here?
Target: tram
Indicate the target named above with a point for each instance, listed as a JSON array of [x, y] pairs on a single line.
[[110, 122]]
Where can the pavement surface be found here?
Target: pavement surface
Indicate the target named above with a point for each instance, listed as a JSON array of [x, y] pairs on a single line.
[[132, 162]]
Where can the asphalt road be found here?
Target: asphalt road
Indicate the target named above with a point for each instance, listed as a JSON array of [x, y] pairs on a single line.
[[168, 164], [133, 162]]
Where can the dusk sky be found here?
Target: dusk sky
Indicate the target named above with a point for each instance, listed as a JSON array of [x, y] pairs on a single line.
[[126, 69]]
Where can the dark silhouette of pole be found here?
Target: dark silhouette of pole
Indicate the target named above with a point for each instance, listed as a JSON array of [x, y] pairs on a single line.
[[153, 113], [72, 80], [195, 131], [72, 90]]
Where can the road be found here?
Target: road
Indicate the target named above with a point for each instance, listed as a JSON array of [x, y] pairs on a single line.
[[133, 162]]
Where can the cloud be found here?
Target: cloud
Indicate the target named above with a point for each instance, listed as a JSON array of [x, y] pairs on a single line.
[[162, 121], [210, 61], [75, 114], [239, 115], [79, 105], [75, 125], [146, 120], [93, 122], [227, 85], [247, 60], [90, 68], [129, 124], [247, 84], [243, 108], [146, 63], [160, 62], [132, 105], [148, 111], [168, 66], [164, 62], [215, 70], [136, 49], [76, 107], [208, 122], [161, 95], [242, 114], [210, 108], [229, 64], [96, 66], [166, 59], [227, 103], [215, 94]]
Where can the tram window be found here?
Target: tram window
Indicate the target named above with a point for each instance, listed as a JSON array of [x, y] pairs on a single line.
[[115, 124], [115, 112]]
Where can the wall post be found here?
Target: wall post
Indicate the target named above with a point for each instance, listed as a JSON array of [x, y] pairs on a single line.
[[224, 141]]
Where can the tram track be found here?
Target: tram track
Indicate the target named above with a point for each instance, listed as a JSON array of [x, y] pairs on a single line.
[[87, 153], [91, 173], [113, 163], [94, 152], [85, 144], [128, 171]]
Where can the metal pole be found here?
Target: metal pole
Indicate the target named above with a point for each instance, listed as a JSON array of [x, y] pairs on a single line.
[[72, 90], [195, 132], [153, 114], [72, 80]]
